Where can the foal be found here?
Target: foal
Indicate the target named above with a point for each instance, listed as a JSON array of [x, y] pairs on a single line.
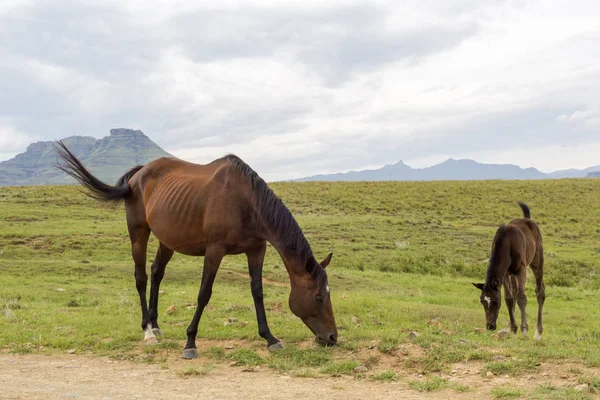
[[516, 245]]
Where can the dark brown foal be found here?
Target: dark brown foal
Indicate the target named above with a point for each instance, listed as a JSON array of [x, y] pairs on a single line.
[[516, 245]]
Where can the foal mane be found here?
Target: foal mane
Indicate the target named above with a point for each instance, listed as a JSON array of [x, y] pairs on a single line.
[[496, 254], [277, 217]]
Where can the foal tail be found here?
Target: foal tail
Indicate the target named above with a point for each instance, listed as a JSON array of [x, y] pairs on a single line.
[[526, 212], [96, 189]]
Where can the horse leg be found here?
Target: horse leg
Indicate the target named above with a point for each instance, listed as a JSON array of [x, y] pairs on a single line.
[[139, 242], [163, 256], [255, 265], [522, 299], [510, 284], [540, 293], [212, 260]]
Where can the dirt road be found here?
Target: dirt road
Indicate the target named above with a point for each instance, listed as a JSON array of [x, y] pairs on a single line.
[[81, 377]]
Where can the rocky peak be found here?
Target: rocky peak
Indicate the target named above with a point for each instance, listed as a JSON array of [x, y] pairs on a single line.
[[123, 132]]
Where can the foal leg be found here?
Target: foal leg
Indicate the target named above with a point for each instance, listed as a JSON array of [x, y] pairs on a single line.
[[139, 242], [212, 260], [540, 292], [255, 265], [510, 285], [163, 256], [522, 299]]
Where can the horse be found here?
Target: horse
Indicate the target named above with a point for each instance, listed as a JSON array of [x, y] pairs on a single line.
[[515, 246], [212, 210]]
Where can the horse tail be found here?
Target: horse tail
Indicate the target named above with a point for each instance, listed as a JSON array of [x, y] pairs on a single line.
[[96, 189], [526, 212]]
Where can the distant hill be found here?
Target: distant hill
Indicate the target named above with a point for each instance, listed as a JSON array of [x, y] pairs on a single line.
[[107, 158], [574, 173], [593, 174], [448, 170]]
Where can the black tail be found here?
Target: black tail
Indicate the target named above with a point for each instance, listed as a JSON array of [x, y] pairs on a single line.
[[96, 189], [526, 212]]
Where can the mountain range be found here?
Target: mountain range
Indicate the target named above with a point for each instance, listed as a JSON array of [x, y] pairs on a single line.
[[107, 158], [452, 169]]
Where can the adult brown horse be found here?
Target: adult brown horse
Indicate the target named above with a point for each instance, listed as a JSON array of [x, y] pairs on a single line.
[[516, 245], [213, 210]]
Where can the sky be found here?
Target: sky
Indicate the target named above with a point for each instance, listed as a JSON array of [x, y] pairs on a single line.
[[303, 87]]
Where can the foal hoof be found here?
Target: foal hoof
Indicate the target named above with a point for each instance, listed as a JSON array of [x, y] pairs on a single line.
[[157, 331], [275, 347], [190, 354], [537, 336], [151, 341]]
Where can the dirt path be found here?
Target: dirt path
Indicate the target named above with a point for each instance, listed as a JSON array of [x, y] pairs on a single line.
[[81, 377], [78, 377]]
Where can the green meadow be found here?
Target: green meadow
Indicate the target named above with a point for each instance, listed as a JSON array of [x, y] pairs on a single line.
[[405, 254]]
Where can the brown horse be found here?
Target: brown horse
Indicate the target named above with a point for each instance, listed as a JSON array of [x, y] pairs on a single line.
[[213, 210], [516, 245]]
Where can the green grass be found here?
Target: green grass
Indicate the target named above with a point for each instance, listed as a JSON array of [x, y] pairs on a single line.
[[340, 368], [549, 392], [191, 372], [430, 384], [513, 367], [506, 393], [404, 253], [385, 376], [592, 381]]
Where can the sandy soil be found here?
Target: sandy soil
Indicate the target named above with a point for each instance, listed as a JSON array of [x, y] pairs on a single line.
[[84, 377]]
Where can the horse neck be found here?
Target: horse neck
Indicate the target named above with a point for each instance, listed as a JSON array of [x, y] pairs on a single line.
[[499, 264], [294, 262]]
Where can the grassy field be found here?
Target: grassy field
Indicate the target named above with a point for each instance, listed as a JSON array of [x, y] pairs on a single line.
[[404, 256]]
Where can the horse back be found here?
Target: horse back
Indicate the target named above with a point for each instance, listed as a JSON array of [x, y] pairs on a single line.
[[189, 206], [528, 238]]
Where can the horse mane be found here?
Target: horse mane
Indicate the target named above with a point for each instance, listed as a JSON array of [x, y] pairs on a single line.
[[277, 217], [496, 254]]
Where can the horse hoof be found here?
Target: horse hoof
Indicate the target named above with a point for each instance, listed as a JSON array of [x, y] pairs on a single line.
[[537, 336], [150, 341], [276, 346], [157, 331], [189, 354]]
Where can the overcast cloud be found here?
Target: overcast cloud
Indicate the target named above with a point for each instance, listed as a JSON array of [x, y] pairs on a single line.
[[303, 87]]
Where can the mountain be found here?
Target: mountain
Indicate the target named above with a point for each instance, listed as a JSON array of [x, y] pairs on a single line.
[[595, 174], [448, 170], [575, 173], [107, 158]]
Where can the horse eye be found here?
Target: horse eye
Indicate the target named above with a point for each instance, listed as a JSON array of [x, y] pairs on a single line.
[[319, 298]]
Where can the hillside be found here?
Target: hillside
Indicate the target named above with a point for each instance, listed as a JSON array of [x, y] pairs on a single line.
[[108, 158]]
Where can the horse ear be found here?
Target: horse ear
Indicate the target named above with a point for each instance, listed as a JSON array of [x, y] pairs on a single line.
[[326, 261], [478, 285]]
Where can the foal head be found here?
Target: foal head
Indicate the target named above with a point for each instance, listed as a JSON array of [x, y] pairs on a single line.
[[491, 299], [310, 301]]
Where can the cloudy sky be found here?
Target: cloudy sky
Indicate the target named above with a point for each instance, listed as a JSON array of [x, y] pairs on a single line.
[[300, 87]]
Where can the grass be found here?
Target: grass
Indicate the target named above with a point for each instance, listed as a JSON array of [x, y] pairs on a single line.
[[513, 367], [592, 381], [385, 376], [340, 368], [506, 392], [405, 253], [549, 392], [430, 384], [191, 372]]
